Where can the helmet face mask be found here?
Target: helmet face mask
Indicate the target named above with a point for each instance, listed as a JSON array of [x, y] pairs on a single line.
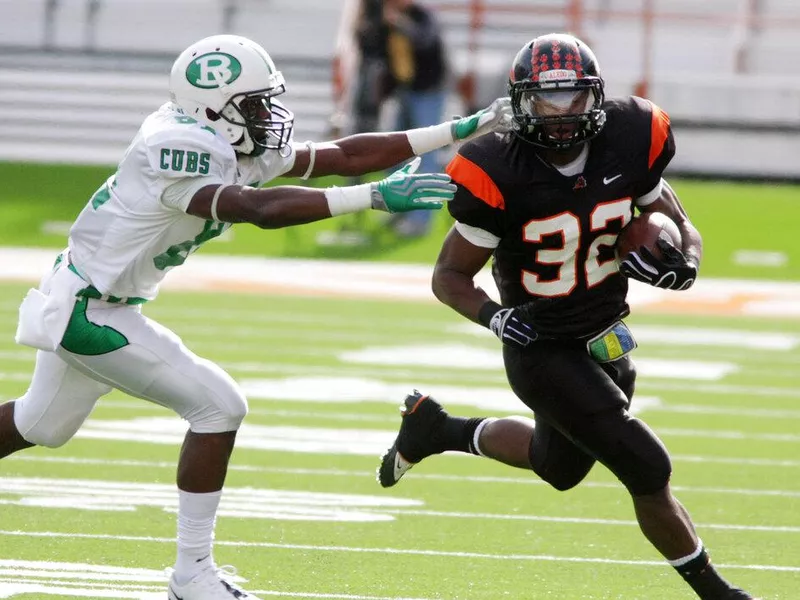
[[556, 93], [266, 123], [230, 83]]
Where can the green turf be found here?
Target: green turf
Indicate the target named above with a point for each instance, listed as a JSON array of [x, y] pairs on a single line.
[[731, 216], [735, 446]]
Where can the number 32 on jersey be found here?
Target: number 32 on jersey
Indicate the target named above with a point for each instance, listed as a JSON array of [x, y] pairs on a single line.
[[566, 257]]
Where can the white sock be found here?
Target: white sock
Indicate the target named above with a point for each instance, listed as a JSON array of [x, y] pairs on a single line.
[[477, 436], [196, 519], [679, 562]]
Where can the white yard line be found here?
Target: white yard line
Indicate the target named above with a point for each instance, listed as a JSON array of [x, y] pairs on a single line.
[[471, 479], [576, 520], [389, 550], [694, 409], [717, 388]]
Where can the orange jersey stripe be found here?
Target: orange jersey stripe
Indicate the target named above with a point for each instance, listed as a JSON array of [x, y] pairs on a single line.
[[465, 172], [659, 132]]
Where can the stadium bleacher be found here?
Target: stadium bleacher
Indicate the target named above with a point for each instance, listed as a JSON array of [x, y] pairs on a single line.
[[77, 76]]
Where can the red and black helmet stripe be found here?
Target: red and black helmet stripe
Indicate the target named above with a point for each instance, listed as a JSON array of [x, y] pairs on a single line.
[[556, 52]]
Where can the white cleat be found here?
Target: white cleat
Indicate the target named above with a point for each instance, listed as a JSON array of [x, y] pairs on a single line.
[[212, 583]]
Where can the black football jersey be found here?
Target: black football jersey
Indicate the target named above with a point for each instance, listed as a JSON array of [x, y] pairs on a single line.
[[557, 233]]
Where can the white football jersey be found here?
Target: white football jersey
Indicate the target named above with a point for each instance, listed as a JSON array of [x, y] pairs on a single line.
[[131, 232]]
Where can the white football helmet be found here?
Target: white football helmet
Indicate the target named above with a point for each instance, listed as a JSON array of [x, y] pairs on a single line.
[[229, 83]]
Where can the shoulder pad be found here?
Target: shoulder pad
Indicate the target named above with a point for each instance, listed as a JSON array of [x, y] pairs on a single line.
[[629, 122], [480, 169], [487, 152], [178, 146], [640, 130], [256, 171]]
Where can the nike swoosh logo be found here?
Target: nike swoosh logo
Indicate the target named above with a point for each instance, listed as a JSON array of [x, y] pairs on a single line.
[[400, 466], [172, 592], [607, 180]]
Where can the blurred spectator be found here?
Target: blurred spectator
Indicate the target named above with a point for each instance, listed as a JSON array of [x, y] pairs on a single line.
[[361, 71], [418, 74], [390, 48], [360, 85], [373, 77]]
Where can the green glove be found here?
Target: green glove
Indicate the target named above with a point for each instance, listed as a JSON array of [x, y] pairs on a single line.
[[404, 190], [496, 117]]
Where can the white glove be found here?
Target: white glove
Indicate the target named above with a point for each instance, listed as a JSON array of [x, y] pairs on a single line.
[[496, 117]]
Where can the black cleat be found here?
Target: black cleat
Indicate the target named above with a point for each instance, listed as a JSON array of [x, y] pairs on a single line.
[[422, 416], [737, 594]]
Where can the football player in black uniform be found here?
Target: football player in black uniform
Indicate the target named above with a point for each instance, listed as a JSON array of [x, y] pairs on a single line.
[[547, 202]]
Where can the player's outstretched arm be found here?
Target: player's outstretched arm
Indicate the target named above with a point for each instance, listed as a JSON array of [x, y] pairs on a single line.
[[370, 152], [283, 206]]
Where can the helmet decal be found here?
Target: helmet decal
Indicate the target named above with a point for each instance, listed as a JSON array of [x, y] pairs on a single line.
[[213, 70], [557, 92], [230, 83]]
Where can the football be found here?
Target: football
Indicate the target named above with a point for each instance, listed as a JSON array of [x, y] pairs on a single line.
[[644, 230]]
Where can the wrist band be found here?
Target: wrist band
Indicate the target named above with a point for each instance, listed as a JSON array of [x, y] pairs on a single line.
[[312, 150], [425, 139], [487, 311], [354, 198], [215, 199]]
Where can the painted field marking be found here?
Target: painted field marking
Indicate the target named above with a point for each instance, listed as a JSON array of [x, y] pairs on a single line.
[[322, 440], [286, 505], [461, 356], [390, 550], [647, 404], [332, 389], [719, 388], [471, 479], [77, 580], [421, 375], [583, 521], [6, 376], [315, 440], [701, 409], [25, 457], [252, 503]]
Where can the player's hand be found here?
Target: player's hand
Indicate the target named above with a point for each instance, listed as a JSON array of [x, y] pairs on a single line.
[[508, 324], [405, 190], [673, 272], [496, 117]]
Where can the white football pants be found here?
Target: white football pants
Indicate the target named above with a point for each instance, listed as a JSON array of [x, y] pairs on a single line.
[[154, 365]]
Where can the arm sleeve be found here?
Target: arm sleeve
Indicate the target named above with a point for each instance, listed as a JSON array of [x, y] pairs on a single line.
[[650, 196], [177, 195], [477, 236], [660, 151], [273, 164], [478, 202]]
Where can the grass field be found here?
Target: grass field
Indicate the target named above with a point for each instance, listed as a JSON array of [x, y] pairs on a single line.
[[38, 202], [303, 516]]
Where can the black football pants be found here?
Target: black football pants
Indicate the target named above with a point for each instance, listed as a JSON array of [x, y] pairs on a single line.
[[580, 407]]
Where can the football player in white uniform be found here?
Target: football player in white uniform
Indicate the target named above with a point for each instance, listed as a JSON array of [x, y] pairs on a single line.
[[193, 169]]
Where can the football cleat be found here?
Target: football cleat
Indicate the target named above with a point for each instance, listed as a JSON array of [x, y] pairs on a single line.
[[422, 416], [212, 583], [738, 594]]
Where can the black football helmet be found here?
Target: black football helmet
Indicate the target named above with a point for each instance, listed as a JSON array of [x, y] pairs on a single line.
[[556, 92]]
